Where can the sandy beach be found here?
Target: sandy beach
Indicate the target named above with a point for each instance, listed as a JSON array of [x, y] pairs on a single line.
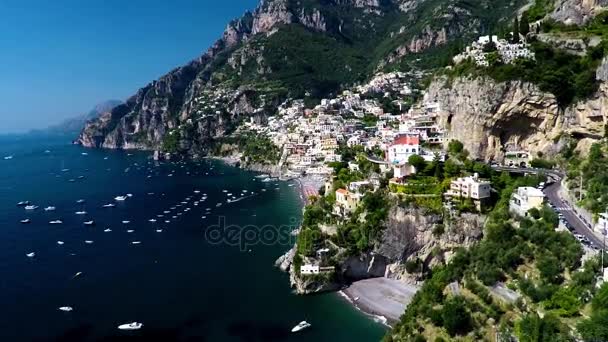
[[309, 186], [381, 297]]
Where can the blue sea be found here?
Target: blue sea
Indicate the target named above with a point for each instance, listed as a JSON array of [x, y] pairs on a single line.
[[201, 272]]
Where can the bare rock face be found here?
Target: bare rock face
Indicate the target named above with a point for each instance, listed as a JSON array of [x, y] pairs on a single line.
[[577, 12], [413, 233], [491, 118]]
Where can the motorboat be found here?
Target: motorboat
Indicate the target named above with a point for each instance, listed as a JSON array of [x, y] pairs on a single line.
[[65, 308], [129, 195], [88, 241], [152, 220], [26, 221], [120, 198], [23, 203], [135, 242], [60, 243], [50, 208], [301, 326], [80, 201], [31, 255], [107, 230], [126, 222], [8, 157], [130, 231], [56, 222], [159, 230], [130, 326], [109, 205], [89, 223], [31, 207], [81, 213]]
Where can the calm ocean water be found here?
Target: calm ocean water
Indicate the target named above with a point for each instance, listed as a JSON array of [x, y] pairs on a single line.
[[179, 284]]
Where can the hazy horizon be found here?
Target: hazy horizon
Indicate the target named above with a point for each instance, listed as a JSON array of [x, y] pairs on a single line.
[[65, 59]]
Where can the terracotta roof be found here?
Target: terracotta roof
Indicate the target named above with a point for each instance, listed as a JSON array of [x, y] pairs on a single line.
[[342, 191], [407, 140]]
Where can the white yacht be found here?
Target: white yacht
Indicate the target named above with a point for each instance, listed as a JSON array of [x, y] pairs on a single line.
[[130, 230], [80, 201], [31, 255], [65, 308], [88, 242], [107, 230], [136, 242], [31, 207], [152, 220], [89, 223], [130, 326], [8, 157], [60, 242], [301, 326], [23, 203], [126, 222], [159, 230], [50, 208], [81, 213], [120, 198], [26, 221], [56, 222], [109, 205]]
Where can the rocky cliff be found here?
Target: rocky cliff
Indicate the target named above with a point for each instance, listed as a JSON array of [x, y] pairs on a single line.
[[577, 12], [491, 118], [410, 234], [283, 48]]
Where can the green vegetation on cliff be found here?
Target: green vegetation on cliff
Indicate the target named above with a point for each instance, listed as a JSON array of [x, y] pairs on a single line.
[[529, 255]]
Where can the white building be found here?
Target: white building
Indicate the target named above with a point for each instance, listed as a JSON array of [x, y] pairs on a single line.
[[309, 269], [470, 187], [403, 148], [524, 199], [403, 170]]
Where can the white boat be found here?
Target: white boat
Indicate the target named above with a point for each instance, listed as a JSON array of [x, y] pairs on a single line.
[[130, 326], [135, 242], [120, 198], [129, 195], [8, 157], [81, 213], [126, 222], [25, 221], [130, 231], [84, 154], [50, 208], [56, 222], [23, 203], [80, 201], [152, 220], [66, 308], [89, 223], [31, 255], [302, 325], [109, 205], [88, 241], [60, 242], [31, 207], [107, 230], [159, 230]]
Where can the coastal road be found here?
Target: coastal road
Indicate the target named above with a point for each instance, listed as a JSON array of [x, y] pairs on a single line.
[[552, 192]]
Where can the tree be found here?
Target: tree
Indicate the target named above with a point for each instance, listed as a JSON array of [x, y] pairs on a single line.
[[455, 316], [417, 162], [515, 31], [455, 146], [524, 25]]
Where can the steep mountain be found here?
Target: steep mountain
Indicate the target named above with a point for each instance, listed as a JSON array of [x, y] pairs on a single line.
[[73, 126], [288, 48]]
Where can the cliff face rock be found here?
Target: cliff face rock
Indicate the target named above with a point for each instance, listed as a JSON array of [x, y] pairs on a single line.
[[412, 233], [491, 118], [369, 265], [577, 12]]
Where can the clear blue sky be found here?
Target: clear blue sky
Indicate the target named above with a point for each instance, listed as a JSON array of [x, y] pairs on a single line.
[[60, 58]]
